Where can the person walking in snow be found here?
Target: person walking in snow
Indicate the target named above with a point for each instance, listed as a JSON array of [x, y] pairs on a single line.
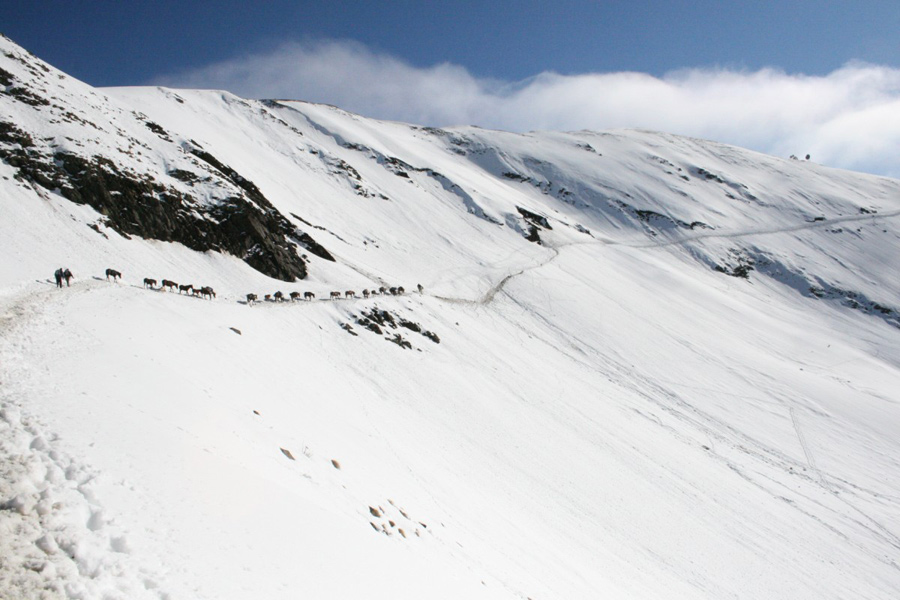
[[67, 275], [58, 275]]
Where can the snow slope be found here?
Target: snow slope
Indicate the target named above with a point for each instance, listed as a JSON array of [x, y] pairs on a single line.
[[688, 389]]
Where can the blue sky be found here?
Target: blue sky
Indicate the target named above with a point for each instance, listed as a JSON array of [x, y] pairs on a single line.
[[739, 72], [129, 43]]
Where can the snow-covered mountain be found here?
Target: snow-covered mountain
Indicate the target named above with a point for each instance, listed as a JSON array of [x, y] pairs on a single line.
[[639, 366]]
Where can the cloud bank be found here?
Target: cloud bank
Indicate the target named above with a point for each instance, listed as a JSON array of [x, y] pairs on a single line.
[[849, 118]]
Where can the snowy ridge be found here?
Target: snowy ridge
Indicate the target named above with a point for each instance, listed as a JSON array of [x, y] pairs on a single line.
[[642, 366]]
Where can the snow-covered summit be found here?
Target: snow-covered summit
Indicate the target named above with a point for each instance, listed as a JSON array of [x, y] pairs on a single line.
[[640, 366]]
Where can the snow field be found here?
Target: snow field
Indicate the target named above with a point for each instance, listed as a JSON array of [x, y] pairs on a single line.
[[530, 433], [606, 414]]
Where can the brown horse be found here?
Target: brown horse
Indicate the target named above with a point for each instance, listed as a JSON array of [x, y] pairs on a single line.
[[113, 273]]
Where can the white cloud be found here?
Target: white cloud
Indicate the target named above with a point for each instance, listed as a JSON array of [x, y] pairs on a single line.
[[849, 118]]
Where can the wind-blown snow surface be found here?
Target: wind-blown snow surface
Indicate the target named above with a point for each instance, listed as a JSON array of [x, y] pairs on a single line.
[[606, 414]]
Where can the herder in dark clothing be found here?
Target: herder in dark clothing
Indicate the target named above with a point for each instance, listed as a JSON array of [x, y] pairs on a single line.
[[58, 275], [67, 275]]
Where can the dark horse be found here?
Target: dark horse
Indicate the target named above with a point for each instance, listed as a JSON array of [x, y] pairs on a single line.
[[150, 283], [113, 273], [168, 283]]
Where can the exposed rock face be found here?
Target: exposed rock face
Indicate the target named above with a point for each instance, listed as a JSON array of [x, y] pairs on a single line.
[[134, 205]]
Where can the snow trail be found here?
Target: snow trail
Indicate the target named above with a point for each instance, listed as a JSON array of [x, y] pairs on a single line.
[[756, 232], [56, 538]]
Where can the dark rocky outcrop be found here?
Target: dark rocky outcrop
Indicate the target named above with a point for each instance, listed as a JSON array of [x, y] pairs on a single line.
[[379, 320], [656, 220], [741, 270], [535, 223], [245, 225], [314, 247], [534, 218], [533, 235]]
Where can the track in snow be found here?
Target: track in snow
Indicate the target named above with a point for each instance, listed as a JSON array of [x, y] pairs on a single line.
[[488, 297], [753, 232]]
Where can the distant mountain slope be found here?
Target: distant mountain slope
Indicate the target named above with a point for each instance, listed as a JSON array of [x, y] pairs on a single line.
[[638, 365]]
